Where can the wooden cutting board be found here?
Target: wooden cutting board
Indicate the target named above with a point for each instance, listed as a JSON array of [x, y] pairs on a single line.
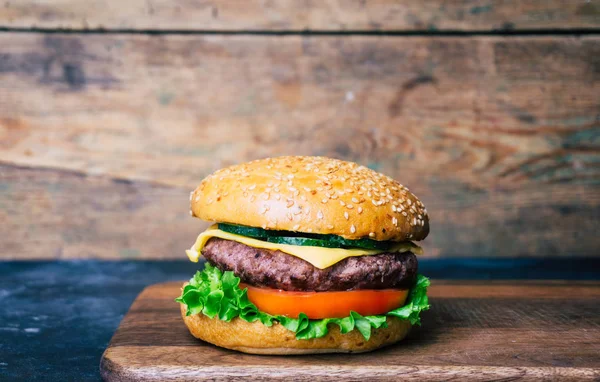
[[510, 330]]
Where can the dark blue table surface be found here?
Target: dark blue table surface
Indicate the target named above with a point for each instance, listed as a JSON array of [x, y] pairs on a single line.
[[56, 318]]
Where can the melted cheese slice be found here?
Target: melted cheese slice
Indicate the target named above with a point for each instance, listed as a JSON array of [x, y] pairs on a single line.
[[320, 257]]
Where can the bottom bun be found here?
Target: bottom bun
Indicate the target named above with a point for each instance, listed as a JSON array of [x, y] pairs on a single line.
[[256, 338]]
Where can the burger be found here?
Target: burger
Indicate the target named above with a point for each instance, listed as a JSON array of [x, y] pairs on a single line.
[[307, 255]]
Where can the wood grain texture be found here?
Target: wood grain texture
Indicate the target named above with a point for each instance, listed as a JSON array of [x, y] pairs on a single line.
[[48, 214], [287, 15], [497, 136], [474, 331]]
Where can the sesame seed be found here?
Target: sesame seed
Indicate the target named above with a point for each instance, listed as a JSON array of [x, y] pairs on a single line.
[[414, 221], [360, 210], [191, 213], [319, 215], [394, 221], [330, 226], [352, 228], [197, 197], [309, 230], [252, 198], [404, 213], [371, 234], [289, 216], [354, 200], [263, 211], [350, 206], [409, 201], [393, 208], [278, 197], [289, 203], [342, 203], [324, 201], [252, 187], [346, 215], [295, 228]]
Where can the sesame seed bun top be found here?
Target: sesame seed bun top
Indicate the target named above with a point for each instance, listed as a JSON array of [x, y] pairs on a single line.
[[314, 195]]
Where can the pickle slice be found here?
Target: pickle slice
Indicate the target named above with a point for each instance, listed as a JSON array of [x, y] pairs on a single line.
[[302, 238], [303, 241]]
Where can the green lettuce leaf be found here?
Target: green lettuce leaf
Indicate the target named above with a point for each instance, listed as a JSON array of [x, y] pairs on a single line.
[[217, 294]]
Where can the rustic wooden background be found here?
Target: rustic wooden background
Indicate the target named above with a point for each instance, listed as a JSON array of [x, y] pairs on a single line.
[[112, 111]]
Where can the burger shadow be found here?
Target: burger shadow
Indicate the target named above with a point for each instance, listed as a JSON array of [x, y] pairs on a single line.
[[417, 341]]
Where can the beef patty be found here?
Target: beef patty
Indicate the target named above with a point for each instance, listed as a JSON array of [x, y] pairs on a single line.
[[279, 270]]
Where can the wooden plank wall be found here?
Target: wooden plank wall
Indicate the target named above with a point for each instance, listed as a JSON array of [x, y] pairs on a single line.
[[111, 112]]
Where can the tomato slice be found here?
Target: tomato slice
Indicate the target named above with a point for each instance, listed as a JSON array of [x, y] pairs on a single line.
[[317, 305]]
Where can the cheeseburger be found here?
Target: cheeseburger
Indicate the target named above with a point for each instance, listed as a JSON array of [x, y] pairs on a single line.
[[307, 255]]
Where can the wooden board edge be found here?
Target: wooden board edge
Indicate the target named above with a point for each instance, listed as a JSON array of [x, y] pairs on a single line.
[[108, 368], [111, 370]]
